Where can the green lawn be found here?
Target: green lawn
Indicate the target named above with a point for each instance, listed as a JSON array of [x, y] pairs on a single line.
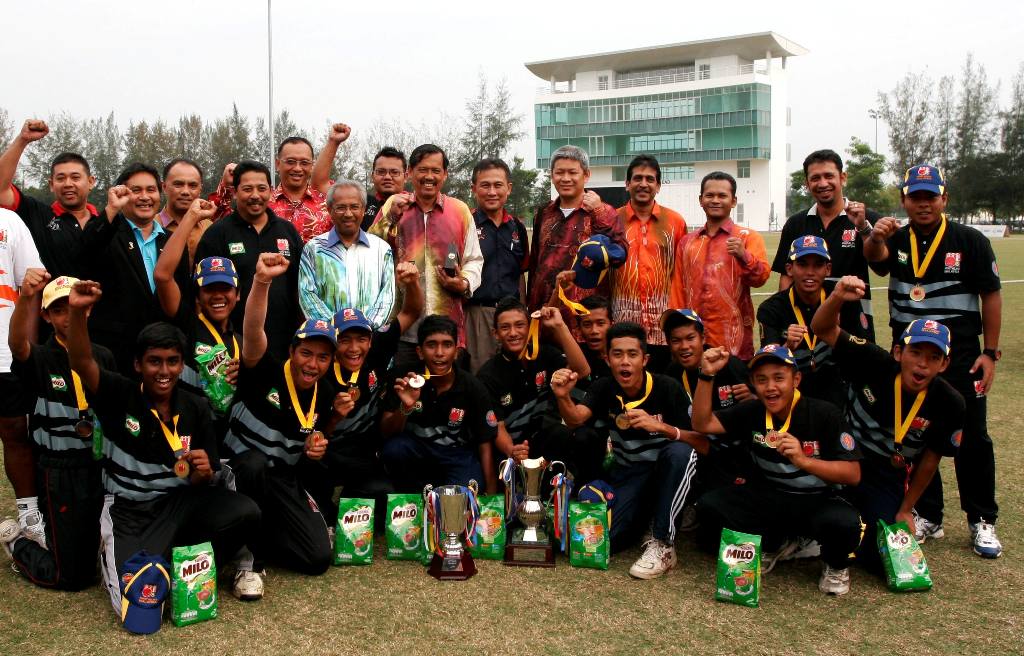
[[395, 607]]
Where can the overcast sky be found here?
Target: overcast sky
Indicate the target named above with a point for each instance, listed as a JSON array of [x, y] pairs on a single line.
[[357, 61]]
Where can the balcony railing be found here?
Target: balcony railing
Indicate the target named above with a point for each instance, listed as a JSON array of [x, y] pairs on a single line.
[[654, 80]]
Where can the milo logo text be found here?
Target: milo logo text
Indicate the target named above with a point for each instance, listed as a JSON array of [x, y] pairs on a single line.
[[190, 569], [739, 553], [406, 513], [356, 516], [216, 361]]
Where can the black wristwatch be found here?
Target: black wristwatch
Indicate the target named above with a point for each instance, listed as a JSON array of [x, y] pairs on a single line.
[[866, 230], [995, 354], [703, 376]]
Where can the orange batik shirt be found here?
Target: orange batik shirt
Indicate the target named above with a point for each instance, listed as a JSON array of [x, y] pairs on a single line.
[[716, 285], [640, 287]]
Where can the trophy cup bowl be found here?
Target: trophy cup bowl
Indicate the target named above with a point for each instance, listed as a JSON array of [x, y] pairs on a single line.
[[454, 562], [530, 545]]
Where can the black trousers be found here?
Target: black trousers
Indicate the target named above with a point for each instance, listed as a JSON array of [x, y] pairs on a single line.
[[184, 517], [878, 496], [70, 500], [359, 472], [776, 515], [975, 462], [293, 532]]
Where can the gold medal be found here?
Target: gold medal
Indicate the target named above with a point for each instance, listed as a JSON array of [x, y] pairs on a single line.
[[416, 381], [898, 461], [354, 393], [182, 468], [772, 436], [622, 421], [317, 436], [83, 428], [771, 439], [900, 423], [349, 385], [917, 293]]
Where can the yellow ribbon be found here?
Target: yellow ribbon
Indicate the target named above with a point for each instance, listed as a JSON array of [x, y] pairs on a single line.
[[352, 379], [426, 372], [305, 421], [769, 423], [647, 392], [576, 308], [216, 335], [919, 270], [686, 386], [76, 383], [811, 341], [532, 348], [171, 436], [901, 426]]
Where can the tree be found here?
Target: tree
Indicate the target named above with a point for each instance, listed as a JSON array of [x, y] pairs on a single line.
[[1012, 141], [65, 136], [864, 169], [907, 110], [945, 122], [530, 190], [102, 148], [797, 197], [976, 109], [6, 129]]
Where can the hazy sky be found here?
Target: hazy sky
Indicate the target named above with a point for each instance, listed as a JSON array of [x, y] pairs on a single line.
[[359, 61]]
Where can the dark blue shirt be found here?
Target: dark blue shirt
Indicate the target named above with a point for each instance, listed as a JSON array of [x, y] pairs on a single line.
[[506, 256]]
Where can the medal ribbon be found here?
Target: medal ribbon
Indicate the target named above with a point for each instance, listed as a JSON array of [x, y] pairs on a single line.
[[76, 383], [686, 386], [426, 373], [305, 421], [919, 270], [901, 426], [532, 349], [811, 341], [769, 423], [647, 392], [574, 307], [171, 436], [351, 379], [216, 335]]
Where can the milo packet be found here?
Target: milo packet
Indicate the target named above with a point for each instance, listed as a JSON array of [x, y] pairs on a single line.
[[906, 570], [212, 366], [589, 543], [739, 568], [404, 527], [193, 585], [353, 536], [490, 528]]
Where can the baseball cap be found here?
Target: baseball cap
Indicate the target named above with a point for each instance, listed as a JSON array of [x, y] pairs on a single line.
[[772, 351], [592, 261], [808, 245], [926, 331], [671, 319], [924, 177], [57, 289], [312, 328], [597, 491], [144, 587], [212, 270], [349, 318]]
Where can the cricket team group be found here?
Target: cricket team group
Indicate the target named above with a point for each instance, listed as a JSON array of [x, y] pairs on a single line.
[[179, 369]]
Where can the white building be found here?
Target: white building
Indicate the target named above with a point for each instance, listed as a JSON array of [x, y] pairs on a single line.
[[701, 106]]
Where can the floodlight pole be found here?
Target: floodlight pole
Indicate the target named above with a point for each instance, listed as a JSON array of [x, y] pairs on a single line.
[[270, 87]]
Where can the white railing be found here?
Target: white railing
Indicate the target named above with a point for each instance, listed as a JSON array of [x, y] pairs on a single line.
[[653, 80]]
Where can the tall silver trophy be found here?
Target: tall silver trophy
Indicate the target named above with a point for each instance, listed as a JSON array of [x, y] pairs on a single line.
[[454, 562], [530, 544]]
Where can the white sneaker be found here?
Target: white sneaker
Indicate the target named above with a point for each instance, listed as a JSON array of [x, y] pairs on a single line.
[[924, 529], [983, 535], [834, 581], [658, 558], [33, 527], [248, 585], [10, 530]]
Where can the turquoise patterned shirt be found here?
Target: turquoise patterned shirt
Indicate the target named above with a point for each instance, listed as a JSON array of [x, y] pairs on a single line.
[[333, 276]]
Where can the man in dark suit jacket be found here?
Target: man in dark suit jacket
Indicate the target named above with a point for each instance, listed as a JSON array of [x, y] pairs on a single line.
[[121, 247]]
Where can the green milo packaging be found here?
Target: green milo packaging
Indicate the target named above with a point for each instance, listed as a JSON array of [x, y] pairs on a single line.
[[906, 570], [353, 536], [212, 366], [739, 568], [404, 527], [490, 528], [193, 584], [589, 543]]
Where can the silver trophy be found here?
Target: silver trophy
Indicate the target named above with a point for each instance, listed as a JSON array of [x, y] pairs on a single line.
[[454, 562], [530, 544]]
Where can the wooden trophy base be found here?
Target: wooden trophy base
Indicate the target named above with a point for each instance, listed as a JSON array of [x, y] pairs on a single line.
[[452, 569], [520, 553]]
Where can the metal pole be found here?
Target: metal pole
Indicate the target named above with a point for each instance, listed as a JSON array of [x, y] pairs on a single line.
[[270, 86]]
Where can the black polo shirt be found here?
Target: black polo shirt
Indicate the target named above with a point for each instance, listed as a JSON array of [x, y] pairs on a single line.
[[963, 267], [234, 238], [373, 205], [138, 463], [667, 402], [733, 373], [521, 389], [263, 417], [872, 371], [506, 254], [845, 248], [462, 416], [818, 425], [54, 230], [360, 426], [46, 374], [201, 341], [819, 376]]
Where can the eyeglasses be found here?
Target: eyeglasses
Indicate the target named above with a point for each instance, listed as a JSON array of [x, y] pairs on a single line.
[[383, 173], [304, 163]]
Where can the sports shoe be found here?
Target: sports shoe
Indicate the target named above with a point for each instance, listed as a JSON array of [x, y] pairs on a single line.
[[658, 558], [790, 550], [248, 585], [33, 527], [983, 535], [924, 529], [834, 581], [10, 531], [688, 520]]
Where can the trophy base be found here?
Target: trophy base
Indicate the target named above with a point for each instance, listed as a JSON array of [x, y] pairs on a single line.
[[452, 568], [522, 553]]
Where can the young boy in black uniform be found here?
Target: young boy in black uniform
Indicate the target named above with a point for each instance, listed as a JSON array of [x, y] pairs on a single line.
[[438, 423], [61, 426], [903, 414], [655, 452], [800, 450], [590, 441], [159, 452]]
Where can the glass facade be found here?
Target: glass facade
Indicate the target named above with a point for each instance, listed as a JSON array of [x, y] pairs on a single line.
[[677, 128]]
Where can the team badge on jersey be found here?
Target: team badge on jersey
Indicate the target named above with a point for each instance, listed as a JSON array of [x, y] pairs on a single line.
[[956, 437], [456, 416], [869, 395], [849, 238], [920, 424], [492, 420], [371, 381], [901, 257], [540, 379], [58, 383], [480, 234], [133, 425], [979, 388], [812, 449], [275, 398], [186, 443], [283, 248], [506, 400], [952, 263], [725, 397], [236, 248], [847, 442]]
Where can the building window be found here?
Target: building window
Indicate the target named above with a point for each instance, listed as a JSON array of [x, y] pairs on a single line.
[[655, 142], [678, 173], [602, 82], [705, 72], [739, 212], [743, 168], [595, 146]]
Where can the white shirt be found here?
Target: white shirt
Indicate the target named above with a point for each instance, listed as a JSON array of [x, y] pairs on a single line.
[[18, 253]]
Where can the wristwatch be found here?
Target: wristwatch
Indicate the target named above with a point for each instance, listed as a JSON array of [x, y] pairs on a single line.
[[866, 229], [996, 354]]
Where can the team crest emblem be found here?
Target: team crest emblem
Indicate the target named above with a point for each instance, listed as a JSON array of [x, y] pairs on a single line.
[[186, 443], [930, 326], [868, 395], [956, 437], [133, 425], [586, 262], [236, 248], [216, 264], [456, 416], [540, 379], [58, 383], [148, 592], [515, 236], [924, 172], [809, 241], [812, 449], [979, 388], [952, 262], [919, 424], [506, 400], [770, 348], [849, 237], [480, 234], [847, 442], [282, 246], [371, 380], [348, 314], [492, 420], [725, 395], [321, 324]]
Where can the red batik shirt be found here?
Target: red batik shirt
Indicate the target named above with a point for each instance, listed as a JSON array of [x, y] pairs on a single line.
[[309, 215]]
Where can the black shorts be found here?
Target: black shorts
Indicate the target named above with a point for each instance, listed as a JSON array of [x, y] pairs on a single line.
[[15, 398]]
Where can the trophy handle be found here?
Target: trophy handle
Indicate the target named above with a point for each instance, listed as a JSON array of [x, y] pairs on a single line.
[[473, 485], [427, 489], [556, 463]]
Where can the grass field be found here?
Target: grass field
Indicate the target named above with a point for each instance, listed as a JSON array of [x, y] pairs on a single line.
[[395, 607]]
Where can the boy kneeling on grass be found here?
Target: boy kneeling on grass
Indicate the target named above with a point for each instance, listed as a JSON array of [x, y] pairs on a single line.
[[801, 450]]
